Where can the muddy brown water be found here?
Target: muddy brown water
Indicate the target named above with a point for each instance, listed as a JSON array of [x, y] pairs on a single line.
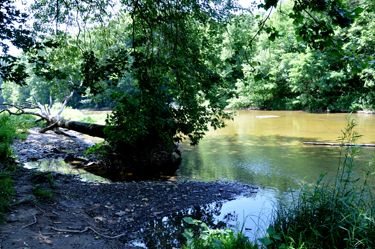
[[264, 148], [270, 151]]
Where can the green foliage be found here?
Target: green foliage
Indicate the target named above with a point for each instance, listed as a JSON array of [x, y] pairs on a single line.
[[13, 30], [291, 73], [43, 177], [12, 127], [169, 69], [42, 194], [6, 193], [98, 148], [176, 81], [214, 238], [7, 133], [329, 214]]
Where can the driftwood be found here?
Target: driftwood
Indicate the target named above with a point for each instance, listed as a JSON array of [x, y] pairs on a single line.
[[56, 122], [339, 144]]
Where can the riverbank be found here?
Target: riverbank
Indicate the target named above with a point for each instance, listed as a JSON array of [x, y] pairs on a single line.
[[308, 110], [92, 215]]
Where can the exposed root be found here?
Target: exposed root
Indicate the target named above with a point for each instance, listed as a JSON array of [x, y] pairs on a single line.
[[85, 230], [32, 223]]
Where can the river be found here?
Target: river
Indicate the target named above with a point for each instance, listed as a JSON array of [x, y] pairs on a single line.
[[267, 152]]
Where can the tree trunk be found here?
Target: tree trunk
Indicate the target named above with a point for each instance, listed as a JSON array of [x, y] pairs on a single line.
[[94, 130], [57, 121]]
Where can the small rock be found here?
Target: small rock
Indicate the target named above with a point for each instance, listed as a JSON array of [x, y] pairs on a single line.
[[121, 213]]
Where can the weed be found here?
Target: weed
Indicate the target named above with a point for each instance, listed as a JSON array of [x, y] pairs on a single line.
[[6, 193], [214, 238], [42, 194], [43, 177], [12, 127], [329, 214]]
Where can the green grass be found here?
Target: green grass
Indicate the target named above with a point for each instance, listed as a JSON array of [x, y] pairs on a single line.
[[77, 115], [42, 195], [11, 127], [6, 193]]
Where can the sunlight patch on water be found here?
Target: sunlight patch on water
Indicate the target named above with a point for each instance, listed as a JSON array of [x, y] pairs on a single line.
[[58, 165]]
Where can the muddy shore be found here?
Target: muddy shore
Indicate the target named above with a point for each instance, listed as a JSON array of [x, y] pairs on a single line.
[[94, 215]]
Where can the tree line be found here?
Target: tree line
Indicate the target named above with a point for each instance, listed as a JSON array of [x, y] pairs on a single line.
[[168, 69]]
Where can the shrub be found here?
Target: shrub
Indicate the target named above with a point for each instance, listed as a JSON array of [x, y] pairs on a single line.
[[7, 133], [337, 213], [6, 193]]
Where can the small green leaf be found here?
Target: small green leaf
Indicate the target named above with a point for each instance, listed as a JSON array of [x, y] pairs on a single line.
[[299, 38], [217, 243], [258, 77], [271, 231], [272, 37], [358, 10], [276, 236], [189, 220], [265, 241]]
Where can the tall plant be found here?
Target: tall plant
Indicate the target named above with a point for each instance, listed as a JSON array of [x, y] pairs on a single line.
[[330, 214]]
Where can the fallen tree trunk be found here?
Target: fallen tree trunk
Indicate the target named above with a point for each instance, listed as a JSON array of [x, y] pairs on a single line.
[[338, 144], [56, 122], [95, 130]]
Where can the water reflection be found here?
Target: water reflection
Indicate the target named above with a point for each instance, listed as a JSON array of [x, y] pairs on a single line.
[[167, 232], [251, 214], [59, 165]]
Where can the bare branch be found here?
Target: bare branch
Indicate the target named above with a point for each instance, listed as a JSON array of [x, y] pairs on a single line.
[[21, 107], [50, 105], [64, 104], [29, 105], [21, 111], [40, 106], [262, 24]]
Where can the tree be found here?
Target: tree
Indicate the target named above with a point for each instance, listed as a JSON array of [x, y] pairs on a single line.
[[13, 30], [170, 52], [296, 73]]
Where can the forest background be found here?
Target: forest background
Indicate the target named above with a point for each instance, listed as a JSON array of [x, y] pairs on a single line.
[[278, 71], [169, 69]]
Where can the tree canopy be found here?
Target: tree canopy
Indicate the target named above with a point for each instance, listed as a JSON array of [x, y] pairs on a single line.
[[170, 68]]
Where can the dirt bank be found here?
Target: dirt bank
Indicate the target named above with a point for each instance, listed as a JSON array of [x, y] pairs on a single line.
[[92, 215]]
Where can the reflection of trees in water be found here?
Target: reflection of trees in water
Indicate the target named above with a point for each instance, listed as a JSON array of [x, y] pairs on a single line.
[[167, 232], [59, 165]]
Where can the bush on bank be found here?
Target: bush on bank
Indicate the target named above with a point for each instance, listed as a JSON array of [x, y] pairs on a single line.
[[11, 127]]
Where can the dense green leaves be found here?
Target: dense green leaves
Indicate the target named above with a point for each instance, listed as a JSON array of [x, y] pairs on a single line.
[[336, 76], [174, 71], [169, 68]]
